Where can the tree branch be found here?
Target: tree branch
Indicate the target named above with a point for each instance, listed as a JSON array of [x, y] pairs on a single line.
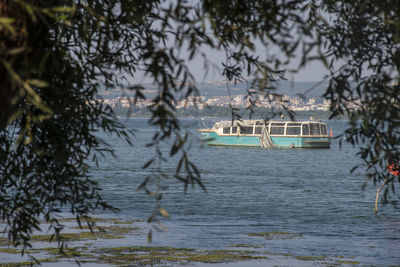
[[377, 195]]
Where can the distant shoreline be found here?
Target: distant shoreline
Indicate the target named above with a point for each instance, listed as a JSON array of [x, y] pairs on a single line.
[[226, 112]]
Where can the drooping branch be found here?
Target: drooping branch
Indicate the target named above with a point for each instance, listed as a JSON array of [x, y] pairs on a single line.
[[377, 195]]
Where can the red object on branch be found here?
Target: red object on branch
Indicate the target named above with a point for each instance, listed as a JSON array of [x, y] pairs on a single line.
[[394, 169]]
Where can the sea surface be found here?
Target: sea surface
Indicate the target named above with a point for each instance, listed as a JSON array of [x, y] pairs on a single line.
[[308, 194]]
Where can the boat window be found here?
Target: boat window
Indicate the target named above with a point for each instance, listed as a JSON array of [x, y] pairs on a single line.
[[293, 130], [227, 130], [258, 130], [293, 124], [234, 129], [246, 130], [314, 129], [277, 130], [323, 129], [305, 129]]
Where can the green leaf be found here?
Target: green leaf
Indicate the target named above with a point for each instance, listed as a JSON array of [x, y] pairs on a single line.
[[38, 83], [64, 9]]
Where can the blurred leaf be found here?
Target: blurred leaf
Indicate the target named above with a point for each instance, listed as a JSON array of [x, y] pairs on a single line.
[[38, 83], [163, 212]]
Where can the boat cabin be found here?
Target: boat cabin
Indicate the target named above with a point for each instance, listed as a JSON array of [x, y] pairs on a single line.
[[275, 128]]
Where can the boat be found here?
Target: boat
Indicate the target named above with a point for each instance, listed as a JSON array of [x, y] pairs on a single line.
[[268, 134]]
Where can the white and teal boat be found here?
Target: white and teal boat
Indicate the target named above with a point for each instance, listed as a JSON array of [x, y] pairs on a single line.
[[260, 133]]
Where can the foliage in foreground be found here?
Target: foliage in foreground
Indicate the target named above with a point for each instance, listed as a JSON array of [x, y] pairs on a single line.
[[55, 54]]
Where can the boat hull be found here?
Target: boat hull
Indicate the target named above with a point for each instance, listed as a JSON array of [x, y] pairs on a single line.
[[213, 139]]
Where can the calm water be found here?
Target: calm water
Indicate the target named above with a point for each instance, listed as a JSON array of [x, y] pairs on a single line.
[[309, 193]]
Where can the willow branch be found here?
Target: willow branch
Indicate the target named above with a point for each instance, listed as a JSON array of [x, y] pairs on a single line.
[[377, 195]]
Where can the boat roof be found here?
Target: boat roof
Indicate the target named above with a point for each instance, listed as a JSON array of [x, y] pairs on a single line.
[[229, 123]]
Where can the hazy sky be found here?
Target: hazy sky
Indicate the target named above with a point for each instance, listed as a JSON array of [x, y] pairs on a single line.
[[312, 72]]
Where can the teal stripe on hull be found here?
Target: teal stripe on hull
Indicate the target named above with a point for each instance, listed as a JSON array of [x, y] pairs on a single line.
[[211, 138]]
